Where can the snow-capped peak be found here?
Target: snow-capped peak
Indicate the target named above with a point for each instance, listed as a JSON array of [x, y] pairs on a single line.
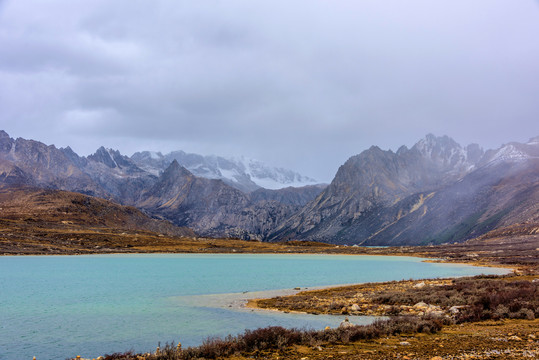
[[447, 154], [243, 173], [270, 177]]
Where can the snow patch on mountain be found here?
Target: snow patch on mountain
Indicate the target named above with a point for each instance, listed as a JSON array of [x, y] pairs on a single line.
[[272, 178], [509, 153], [243, 173]]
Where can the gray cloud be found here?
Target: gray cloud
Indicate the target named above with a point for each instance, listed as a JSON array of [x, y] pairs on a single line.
[[302, 84]]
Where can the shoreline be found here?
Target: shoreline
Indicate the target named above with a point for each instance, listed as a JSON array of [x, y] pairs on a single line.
[[357, 299]]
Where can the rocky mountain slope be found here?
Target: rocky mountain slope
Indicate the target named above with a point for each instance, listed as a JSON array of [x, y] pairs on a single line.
[[433, 193], [209, 206], [34, 163], [213, 208], [244, 174]]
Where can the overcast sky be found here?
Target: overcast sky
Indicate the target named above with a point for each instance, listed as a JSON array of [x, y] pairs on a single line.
[[302, 84]]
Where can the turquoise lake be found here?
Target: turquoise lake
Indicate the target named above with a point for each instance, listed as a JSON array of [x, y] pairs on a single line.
[[54, 307]]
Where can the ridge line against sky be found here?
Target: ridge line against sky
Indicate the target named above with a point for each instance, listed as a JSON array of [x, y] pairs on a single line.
[[302, 85]]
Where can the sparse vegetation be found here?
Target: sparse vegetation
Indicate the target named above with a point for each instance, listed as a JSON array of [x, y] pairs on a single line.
[[277, 338], [479, 298], [475, 298]]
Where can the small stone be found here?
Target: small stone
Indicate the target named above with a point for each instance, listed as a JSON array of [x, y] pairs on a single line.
[[355, 307], [515, 338], [421, 305]]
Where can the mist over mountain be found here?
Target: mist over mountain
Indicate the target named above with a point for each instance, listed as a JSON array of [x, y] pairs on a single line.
[[242, 173], [437, 191]]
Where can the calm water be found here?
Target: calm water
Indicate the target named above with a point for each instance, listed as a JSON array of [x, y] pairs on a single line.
[[53, 307]]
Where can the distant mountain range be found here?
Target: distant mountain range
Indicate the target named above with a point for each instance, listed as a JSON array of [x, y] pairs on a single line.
[[243, 174], [165, 190], [435, 192]]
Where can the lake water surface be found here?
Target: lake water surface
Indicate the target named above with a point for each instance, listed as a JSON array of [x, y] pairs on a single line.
[[54, 307]]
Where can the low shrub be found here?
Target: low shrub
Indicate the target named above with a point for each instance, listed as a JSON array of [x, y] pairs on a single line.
[[278, 338]]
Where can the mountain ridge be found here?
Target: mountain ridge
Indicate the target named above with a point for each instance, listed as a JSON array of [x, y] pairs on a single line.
[[375, 193], [436, 191], [242, 173]]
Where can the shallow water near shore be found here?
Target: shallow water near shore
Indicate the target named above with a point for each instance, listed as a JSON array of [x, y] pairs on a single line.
[[54, 307]]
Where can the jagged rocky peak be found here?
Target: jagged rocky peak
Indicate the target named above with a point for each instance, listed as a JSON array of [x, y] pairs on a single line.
[[103, 156], [242, 173], [176, 170], [147, 155], [4, 135], [74, 157], [5, 141], [111, 158], [447, 155], [402, 150], [443, 150]]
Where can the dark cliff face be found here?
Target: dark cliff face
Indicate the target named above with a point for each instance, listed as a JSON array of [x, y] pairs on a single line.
[[114, 160]]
